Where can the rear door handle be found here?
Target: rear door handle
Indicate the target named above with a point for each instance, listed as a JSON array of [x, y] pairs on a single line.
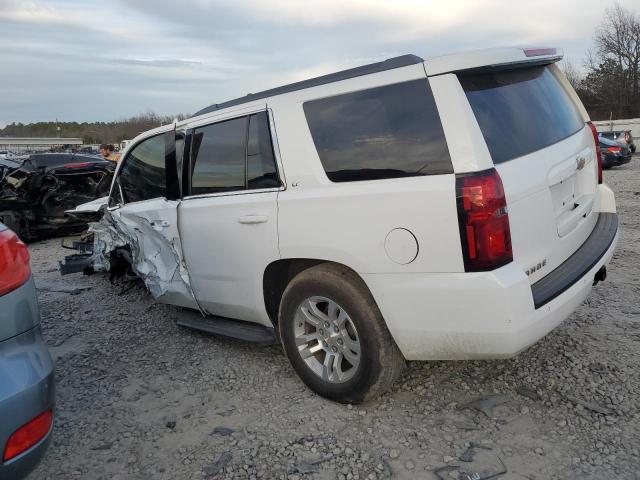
[[251, 219]]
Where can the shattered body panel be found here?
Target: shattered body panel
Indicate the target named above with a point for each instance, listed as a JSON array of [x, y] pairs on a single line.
[[36, 190], [149, 245]]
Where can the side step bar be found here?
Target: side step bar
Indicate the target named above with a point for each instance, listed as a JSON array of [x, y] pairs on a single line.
[[226, 327]]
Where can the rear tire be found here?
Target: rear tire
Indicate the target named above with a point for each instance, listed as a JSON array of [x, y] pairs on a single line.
[[14, 221], [335, 336]]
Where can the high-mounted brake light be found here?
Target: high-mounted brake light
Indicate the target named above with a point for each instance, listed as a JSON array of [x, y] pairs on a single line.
[[598, 152], [14, 262], [539, 52], [483, 220], [77, 165], [28, 435]]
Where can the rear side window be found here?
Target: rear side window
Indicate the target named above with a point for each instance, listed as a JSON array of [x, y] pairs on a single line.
[[384, 132], [142, 175], [233, 155], [218, 151], [520, 111]]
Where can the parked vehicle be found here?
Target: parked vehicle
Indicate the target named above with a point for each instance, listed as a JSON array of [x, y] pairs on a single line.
[[88, 150], [35, 191], [26, 368], [373, 215], [614, 153], [622, 136]]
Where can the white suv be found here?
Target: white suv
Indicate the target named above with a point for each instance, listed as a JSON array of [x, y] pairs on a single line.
[[449, 208]]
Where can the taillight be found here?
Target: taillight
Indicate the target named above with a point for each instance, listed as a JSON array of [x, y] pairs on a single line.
[[14, 262], [598, 152], [483, 221], [614, 149], [28, 435]]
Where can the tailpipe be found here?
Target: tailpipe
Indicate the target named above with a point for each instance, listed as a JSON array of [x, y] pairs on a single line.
[[600, 276]]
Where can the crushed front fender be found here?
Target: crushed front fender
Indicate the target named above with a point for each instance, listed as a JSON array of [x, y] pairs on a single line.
[[153, 257]]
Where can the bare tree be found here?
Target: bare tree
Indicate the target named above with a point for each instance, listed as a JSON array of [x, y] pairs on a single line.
[[572, 73], [618, 38]]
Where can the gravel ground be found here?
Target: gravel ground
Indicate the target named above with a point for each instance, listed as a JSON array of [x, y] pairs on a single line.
[[139, 397]]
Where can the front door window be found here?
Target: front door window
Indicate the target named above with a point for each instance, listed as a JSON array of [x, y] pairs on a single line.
[[142, 175]]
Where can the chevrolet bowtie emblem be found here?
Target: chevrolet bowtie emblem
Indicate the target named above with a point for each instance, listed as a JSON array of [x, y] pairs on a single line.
[[580, 162]]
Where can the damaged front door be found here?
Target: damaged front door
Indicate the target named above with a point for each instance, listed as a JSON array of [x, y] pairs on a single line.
[[141, 221]]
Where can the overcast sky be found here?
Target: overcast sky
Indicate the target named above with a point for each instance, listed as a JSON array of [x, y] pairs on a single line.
[[89, 60]]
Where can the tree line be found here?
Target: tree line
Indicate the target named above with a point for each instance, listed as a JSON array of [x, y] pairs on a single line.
[[609, 86], [91, 132]]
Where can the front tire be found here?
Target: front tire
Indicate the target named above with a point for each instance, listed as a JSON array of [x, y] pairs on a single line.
[[335, 336]]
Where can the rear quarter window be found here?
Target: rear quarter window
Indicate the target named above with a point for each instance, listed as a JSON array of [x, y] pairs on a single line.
[[383, 132], [520, 111]]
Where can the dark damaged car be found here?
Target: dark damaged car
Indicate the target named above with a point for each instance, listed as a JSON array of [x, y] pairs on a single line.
[[614, 153], [35, 191]]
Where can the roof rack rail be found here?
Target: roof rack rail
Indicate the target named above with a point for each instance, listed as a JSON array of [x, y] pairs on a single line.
[[389, 64]]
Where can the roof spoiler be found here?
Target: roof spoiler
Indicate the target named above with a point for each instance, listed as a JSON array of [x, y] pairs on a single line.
[[492, 59]]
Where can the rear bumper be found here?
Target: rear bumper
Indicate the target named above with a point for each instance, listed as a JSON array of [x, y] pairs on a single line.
[[578, 264], [26, 390], [452, 316]]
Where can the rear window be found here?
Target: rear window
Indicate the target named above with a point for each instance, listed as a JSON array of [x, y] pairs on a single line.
[[383, 132], [218, 157], [520, 111]]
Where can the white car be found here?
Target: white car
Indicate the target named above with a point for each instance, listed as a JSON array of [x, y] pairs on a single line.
[[448, 208]]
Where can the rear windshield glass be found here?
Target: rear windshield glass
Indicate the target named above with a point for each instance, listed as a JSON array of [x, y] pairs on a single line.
[[520, 111], [383, 132]]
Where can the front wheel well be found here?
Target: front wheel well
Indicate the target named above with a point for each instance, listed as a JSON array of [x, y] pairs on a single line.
[[277, 276]]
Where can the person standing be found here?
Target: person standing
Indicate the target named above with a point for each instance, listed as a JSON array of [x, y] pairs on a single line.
[[114, 156], [107, 152]]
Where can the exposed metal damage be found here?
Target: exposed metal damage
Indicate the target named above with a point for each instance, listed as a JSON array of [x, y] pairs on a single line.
[[36, 190], [127, 237]]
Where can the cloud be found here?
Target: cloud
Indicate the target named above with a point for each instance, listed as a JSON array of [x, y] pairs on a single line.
[[98, 60]]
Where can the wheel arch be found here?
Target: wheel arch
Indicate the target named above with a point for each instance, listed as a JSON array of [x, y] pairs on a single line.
[[279, 273]]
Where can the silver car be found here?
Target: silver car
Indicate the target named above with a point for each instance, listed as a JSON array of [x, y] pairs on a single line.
[[26, 367]]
